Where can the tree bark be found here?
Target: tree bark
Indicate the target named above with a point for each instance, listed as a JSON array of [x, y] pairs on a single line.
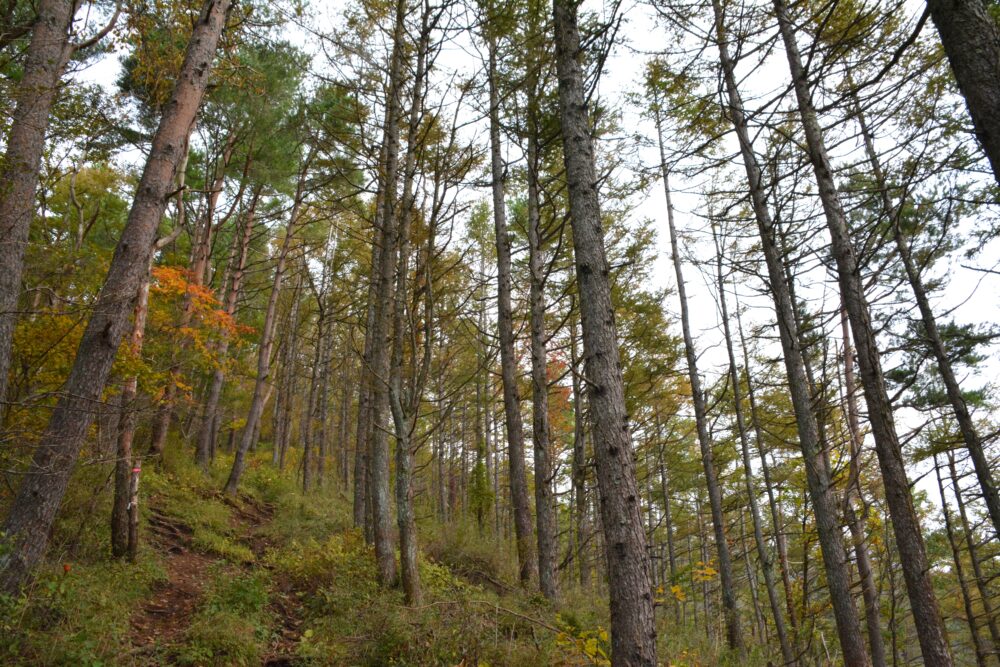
[[906, 525], [633, 633], [971, 41], [45, 60], [505, 330], [33, 510]]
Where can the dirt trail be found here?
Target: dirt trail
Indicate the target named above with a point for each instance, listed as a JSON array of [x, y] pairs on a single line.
[[166, 615]]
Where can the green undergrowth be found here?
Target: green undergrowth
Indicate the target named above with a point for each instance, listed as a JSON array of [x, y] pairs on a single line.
[[281, 559], [234, 625]]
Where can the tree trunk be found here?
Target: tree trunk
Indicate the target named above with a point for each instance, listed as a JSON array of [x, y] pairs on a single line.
[[734, 635], [378, 452], [363, 425], [971, 41], [237, 261], [817, 474], [669, 528], [164, 413], [505, 330], [763, 554], [633, 633], [978, 644], [933, 336], [125, 466], [308, 443], [853, 491], [906, 525], [982, 583], [266, 346], [579, 460], [544, 510], [33, 510], [45, 60], [344, 420], [777, 524]]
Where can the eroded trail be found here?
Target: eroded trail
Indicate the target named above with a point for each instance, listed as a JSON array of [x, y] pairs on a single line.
[[161, 624], [166, 616]]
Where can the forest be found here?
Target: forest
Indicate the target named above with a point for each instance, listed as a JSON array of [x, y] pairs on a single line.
[[479, 333]]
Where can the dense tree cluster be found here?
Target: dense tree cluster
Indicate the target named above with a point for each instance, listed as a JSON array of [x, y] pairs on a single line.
[[399, 247]]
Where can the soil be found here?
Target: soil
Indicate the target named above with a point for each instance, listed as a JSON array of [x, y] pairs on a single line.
[[163, 619]]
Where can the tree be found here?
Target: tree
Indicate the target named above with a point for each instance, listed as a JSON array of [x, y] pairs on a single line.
[[633, 637], [505, 328], [906, 525], [49, 51], [30, 518], [971, 40]]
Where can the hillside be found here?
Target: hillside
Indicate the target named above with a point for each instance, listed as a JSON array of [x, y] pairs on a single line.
[[276, 577]]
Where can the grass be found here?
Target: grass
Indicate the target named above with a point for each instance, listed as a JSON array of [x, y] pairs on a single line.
[[233, 626], [307, 561]]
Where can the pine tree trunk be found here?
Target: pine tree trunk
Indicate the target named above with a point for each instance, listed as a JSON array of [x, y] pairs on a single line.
[[817, 473], [669, 528], [308, 442], [266, 346], [980, 647], [322, 411], [982, 583], [237, 261], [734, 635], [971, 41], [777, 524], [633, 633], [121, 545], [378, 451], [45, 60], [363, 425], [544, 510], [579, 460], [33, 510], [854, 522], [763, 554], [906, 525], [932, 335], [505, 330], [344, 420]]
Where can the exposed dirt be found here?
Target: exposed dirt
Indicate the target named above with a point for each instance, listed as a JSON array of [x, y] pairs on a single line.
[[164, 618], [166, 615]]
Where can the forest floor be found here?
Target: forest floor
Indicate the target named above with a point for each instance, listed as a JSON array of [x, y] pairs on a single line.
[[276, 577], [164, 619]]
